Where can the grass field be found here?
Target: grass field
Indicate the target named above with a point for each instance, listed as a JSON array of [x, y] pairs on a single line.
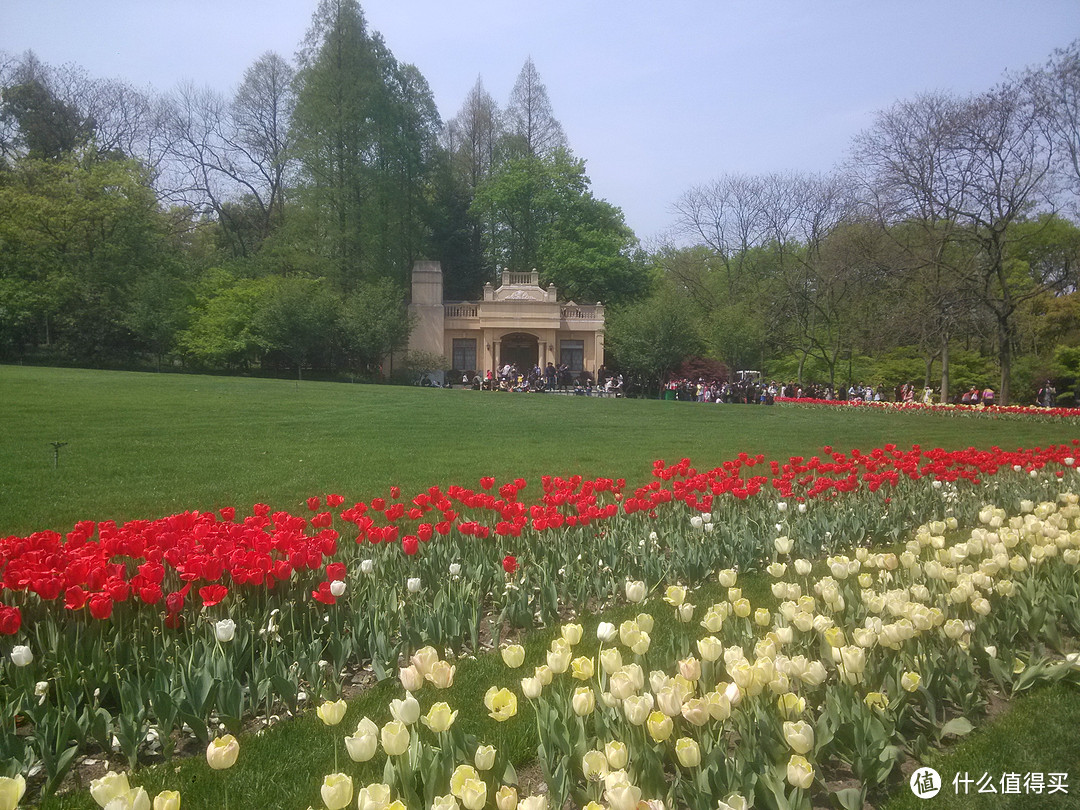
[[146, 445]]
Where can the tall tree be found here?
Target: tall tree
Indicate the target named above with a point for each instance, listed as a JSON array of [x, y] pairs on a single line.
[[531, 127], [908, 184], [365, 130], [1056, 92]]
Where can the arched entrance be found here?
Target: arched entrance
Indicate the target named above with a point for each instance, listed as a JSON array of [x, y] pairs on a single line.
[[521, 350]]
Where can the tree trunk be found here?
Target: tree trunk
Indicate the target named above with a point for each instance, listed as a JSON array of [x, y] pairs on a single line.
[[1004, 358], [945, 369]]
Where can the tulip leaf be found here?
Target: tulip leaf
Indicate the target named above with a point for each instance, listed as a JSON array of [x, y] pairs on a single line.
[[957, 727], [848, 798]]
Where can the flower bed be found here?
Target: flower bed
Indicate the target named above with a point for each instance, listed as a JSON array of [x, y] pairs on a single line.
[[118, 636], [993, 411]]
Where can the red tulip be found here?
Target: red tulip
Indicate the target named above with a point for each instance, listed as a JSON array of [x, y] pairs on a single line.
[[10, 620], [212, 594], [101, 606], [510, 564]]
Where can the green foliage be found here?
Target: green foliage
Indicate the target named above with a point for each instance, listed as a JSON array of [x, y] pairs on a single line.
[[544, 217], [374, 322], [364, 129], [650, 339], [224, 331], [78, 235]]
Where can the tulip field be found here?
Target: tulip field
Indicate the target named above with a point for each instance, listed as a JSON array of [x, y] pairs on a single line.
[[569, 621]]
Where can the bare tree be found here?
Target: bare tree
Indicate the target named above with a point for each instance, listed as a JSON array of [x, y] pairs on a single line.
[[907, 180], [1001, 149], [1055, 89], [230, 159]]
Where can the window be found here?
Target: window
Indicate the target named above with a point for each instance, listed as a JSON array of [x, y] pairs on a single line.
[[572, 353], [465, 354]]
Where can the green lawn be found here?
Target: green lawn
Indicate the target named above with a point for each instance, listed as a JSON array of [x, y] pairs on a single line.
[[145, 445]]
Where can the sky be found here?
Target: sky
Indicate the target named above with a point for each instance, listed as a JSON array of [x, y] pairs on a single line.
[[656, 97]]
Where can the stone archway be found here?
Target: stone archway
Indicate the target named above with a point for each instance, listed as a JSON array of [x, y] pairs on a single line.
[[520, 349]]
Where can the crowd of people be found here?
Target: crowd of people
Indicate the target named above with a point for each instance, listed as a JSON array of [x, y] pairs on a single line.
[[759, 392], [560, 379], [551, 378]]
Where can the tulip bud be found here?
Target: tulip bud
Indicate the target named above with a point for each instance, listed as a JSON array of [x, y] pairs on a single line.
[[337, 587], [506, 798], [617, 754], [413, 584], [166, 800], [361, 745], [583, 701], [484, 757], [635, 591], [21, 655], [224, 630], [800, 773], [531, 687], [411, 678], [688, 752], [367, 566], [513, 655], [222, 752], [337, 791], [395, 738]]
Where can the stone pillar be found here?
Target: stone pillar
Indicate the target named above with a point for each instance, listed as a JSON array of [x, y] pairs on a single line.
[[427, 306]]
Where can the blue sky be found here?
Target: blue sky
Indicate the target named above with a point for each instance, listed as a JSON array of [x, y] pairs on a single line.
[[656, 97]]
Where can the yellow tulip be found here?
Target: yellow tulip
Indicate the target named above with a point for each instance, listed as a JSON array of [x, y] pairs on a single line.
[[461, 774], [501, 703], [474, 794], [441, 674], [12, 789], [582, 667], [439, 717], [799, 736], [571, 633], [395, 738], [513, 655], [660, 726], [221, 753], [688, 752], [331, 712], [373, 797], [506, 798], [337, 791], [361, 745], [616, 753], [800, 773], [111, 785], [166, 800]]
